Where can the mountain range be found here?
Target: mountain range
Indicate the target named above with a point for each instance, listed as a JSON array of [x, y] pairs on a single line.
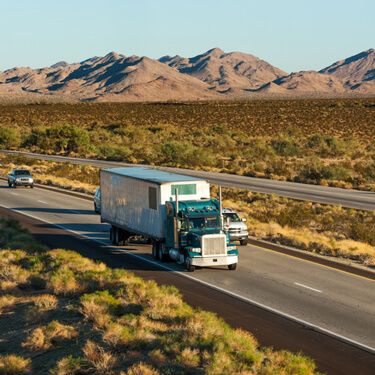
[[214, 75]]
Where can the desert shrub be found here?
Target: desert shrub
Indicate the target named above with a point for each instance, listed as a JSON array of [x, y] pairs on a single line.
[[314, 170], [259, 149], [64, 138], [13, 364], [45, 302], [326, 145], [63, 281], [43, 338], [286, 147], [114, 152], [100, 359], [69, 366], [141, 369], [283, 362], [7, 301], [9, 138]]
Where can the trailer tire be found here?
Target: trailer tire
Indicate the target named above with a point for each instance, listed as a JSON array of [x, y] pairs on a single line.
[[155, 250], [188, 265], [232, 267], [111, 235], [244, 242], [114, 235]]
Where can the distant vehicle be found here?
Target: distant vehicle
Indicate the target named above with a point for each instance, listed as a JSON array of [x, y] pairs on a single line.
[[174, 211], [97, 201], [20, 177], [235, 226]]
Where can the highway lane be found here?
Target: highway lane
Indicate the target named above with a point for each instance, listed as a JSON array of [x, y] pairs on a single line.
[[324, 297], [345, 197]]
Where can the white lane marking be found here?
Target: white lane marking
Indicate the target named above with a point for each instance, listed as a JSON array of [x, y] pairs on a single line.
[[42, 202], [308, 287], [242, 298], [13, 193]]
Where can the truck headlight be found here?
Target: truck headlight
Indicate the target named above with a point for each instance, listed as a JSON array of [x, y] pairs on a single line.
[[231, 247], [196, 249]]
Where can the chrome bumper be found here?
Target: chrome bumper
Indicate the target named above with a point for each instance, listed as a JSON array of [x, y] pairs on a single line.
[[214, 261]]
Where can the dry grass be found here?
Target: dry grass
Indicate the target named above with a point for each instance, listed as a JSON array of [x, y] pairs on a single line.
[[323, 229], [45, 302], [14, 364], [7, 301], [115, 322], [101, 360], [43, 338]]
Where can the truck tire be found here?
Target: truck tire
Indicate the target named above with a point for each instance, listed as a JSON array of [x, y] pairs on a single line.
[[244, 242], [188, 265], [160, 249], [232, 267]]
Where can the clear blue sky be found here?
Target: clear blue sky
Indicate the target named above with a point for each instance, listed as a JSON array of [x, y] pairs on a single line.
[[290, 34]]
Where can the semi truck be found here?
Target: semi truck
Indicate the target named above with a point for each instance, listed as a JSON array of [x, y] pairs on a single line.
[[175, 212]]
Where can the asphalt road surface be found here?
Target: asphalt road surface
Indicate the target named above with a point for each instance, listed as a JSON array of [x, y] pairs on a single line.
[[285, 301], [363, 200]]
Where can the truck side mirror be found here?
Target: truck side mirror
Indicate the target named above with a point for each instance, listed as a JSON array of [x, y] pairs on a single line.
[[244, 219]]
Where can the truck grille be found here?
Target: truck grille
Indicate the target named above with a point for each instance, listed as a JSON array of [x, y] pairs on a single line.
[[214, 244]]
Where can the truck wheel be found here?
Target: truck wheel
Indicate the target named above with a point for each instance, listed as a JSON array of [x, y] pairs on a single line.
[[188, 265], [161, 256], [244, 242], [232, 267]]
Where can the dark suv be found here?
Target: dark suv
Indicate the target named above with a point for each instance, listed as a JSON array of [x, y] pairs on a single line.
[[20, 177]]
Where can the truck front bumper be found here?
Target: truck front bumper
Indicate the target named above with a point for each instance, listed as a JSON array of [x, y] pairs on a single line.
[[214, 261]]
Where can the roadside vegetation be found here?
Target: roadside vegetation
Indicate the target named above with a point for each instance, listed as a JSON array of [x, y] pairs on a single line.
[[61, 313], [323, 229], [319, 228], [326, 141]]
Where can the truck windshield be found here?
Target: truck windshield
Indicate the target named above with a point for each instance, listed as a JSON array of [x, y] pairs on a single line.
[[232, 217], [204, 222]]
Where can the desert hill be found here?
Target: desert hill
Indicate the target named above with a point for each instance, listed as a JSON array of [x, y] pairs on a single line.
[[224, 71], [214, 75]]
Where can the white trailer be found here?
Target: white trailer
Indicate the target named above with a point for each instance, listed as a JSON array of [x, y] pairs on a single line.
[[134, 198]]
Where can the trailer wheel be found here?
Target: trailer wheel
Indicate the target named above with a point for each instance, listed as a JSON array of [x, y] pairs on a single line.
[[114, 235], [111, 235], [155, 250], [232, 267], [188, 265], [244, 242]]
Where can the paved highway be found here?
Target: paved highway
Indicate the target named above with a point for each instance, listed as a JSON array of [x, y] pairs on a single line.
[[345, 197], [324, 299]]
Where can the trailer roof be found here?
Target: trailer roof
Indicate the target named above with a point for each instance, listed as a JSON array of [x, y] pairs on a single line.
[[153, 175]]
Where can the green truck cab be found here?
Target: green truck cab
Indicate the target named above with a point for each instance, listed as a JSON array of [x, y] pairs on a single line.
[[194, 235]]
